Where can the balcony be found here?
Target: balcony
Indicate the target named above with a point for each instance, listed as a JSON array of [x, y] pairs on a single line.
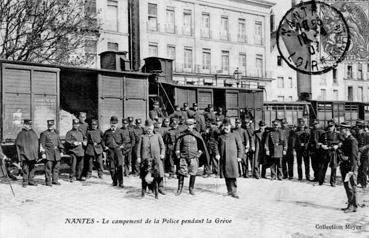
[[152, 26], [171, 29], [242, 38], [187, 31], [205, 33], [224, 36], [258, 40]]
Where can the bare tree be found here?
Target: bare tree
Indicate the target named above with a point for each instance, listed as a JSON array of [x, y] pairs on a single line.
[[47, 31]]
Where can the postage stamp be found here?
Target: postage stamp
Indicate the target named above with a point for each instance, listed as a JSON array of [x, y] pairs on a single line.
[[313, 37]]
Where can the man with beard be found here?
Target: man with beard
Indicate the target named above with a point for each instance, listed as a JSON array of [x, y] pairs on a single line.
[[192, 153], [229, 153], [27, 150]]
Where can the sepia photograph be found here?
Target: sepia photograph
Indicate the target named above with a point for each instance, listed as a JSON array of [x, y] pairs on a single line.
[[184, 118]]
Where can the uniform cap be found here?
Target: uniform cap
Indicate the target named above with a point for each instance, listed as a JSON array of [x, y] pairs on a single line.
[[75, 121], [345, 125], [226, 121], [94, 122], [185, 104], [315, 122], [148, 123], [156, 103], [166, 119], [50, 122], [331, 123], [130, 119], [194, 104], [262, 123], [138, 121], [190, 121], [124, 121], [238, 121], [210, 105], [27, 121], [114, 119]]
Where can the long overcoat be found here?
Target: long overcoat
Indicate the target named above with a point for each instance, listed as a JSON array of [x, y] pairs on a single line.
[[27, 145], [229, 148]]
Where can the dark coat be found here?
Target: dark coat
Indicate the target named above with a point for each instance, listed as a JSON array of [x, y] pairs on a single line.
[[95, 143], [51, 143], [260, 146], [75, 136], [229, 148], [275, 144], [27, 145], [350, 151]]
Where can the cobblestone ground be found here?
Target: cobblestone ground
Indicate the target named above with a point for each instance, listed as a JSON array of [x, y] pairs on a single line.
[[266, 208]]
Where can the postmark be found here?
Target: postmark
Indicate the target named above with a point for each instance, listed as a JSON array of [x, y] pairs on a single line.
[[313, 37]]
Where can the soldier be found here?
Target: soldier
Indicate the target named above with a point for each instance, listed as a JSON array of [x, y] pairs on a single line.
[[246, 146], [94, 150], [349, 167], [363, 143], [211, 138], [219, 114], [181, 124], [192, 153], [165, 127], [74, 139], [177, 112], [131, 123], [301, 147], [287, 160], [82, 121], [138, 131], [199, 118], [51, 149], [185, 110], [330, 142], [169, 141], [259, 158], [315, 149], [209, 114], [229, 153], [275, 147], [151, 150], [27, 151], [250, 153], [113, 140], [156, 112], [128, 144]]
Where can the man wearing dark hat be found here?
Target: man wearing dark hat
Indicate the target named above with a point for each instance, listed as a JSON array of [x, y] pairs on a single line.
[[301, 146], [287, 160], [229, 152], [138, 131], [150, 153], [259, 158], [199, 118], [275, 148], [169, 141], [209, 114], [177, 112], [246, 145], [349, 167], [315, 149], [156, 112], [128, 143], [330, 142], [247, 125], [181, 124], [191, 152], [74, 139], [51, 149], [211, 139], [94, 150], [363, 143], [113, 140], [27, 151]]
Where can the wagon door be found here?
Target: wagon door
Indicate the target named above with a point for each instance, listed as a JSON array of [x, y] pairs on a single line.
[[231, 102], [135, 98], [204, 97]]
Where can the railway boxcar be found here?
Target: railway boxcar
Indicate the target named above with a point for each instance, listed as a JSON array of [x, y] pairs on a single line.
[[289, 110]]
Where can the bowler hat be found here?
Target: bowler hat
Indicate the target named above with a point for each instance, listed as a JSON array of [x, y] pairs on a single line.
[[185, 104], [94, 122], [210, 105], [148, 123], [138, 121], [114, 119], [331, 123], [50, 122], [75, 121], [27, 121], [262, 123]]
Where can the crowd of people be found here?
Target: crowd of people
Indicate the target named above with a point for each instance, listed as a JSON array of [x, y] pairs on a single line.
[[180, 143]]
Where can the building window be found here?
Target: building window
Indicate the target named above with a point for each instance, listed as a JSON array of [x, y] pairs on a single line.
[[281, 98], [171, 54], [187, 59], [279, 60], [258, 33], [224, 28], [206, 60], [153, 17], [323, 94], [280, 82], [112, 13], [153, 49], [225, 62], [241, 30], [349, 71], [205, 25], [170, 26], [360, 94], [360, 72], [259, 66], [334, 76], [112, 46], [242, 63], [290, 82], [187, 23], [91, 47], [290, 98], [350, 93], [335, 94]]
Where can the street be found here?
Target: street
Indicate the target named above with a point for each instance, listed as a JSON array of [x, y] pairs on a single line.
[[266, 208]]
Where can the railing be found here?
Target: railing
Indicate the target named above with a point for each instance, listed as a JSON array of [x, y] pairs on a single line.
[[169, 28], [205, 33], [153, 27], [224, 35], [242, 38]]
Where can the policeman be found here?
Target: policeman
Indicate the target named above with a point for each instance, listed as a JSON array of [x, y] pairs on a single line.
[[177, 112], [94, 150], [349, 167], [246, 145], [315, 149], [363, 143], [128, 143], [131, 123], [27, 151], [301, 146], [169, 141], [138, 131], [211, 138], [185, 110], [209, 114], [165, 127], [288, 159], [113, 140], [275, 147], [51, 149], [219, 114], [83, 124], [156, 112], [259, 158], [330, 142], [199, 118], [247, 125]]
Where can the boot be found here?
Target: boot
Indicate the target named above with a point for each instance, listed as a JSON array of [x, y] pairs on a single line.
[[180, 185], [143, 189], [192, 184]]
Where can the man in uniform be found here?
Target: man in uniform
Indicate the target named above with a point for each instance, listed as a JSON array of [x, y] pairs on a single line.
[[131, 123], [259, 158], [185, 110], [169, 141], [192, 153], [165, 127], [113, 140], [27, 150], [301, 146], [199, 118], [246, 145], [250, 153], [138, 131], [314, 148], [349, 167], [211, 139], [219, 114], [209, 114], [51, 149], [287, 160], [363, 143], [177, 112], [82, 121], [128, 144], [156, 112], [94, 150], [74, 139], [275, 147], [330, 142]]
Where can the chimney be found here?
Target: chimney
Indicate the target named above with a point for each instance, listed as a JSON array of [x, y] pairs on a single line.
[[114, 60]]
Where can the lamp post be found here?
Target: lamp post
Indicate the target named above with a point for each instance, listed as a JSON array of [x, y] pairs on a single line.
[[237, 74]]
